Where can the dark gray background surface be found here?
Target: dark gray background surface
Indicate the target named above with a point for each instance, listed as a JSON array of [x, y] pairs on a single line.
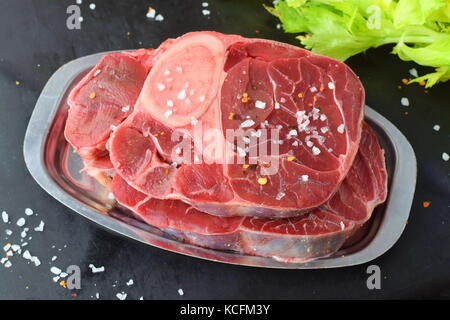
[[34, 42]]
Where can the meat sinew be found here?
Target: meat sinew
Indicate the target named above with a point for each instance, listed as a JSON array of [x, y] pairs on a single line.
[[305, 110], [318, 233]]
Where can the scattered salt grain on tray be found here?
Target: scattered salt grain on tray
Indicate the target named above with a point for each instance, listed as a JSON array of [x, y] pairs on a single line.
[[436, 127], [445, 156], [159, 17], [206, 12], [95, 269], [404, 101], [92, 6], [130, 282], [29, 212], [180, 292], [205, 4]]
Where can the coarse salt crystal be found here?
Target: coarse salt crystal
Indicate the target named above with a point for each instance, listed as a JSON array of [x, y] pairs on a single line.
[[436, 127], [8, 232], [126, 109], [36, 261], [97, 72], [260, 104], [182, 95], [305, 178], [55, 270], [180, 292], [341, 128], [277, 105], [280, 195], [92, 6], [206, 12], [21, 222], [168, 113], [130, 282], [404, 101], [445, 156], [5, 217], [315, 151], [8, 264], [26, 255], [29, 212], [159, 17], [204, 4], [23, 234], [95, 269], [324, 129], [342, 225], [247, 123], [121, 296], [413, 72], [331, 85], [151, 13], [313, 89], [169, 103], [40, 227], [160, 86]]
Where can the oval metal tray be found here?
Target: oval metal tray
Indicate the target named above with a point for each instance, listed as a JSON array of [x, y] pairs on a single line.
[[55, 167]]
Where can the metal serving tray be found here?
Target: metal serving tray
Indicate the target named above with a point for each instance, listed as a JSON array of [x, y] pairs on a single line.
[[55, 167]]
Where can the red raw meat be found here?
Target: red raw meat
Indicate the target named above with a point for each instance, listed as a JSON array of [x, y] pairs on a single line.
[[318, 233], [229, 82]]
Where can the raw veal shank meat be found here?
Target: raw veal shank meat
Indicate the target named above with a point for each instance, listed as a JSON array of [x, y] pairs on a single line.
[[222, 82]]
